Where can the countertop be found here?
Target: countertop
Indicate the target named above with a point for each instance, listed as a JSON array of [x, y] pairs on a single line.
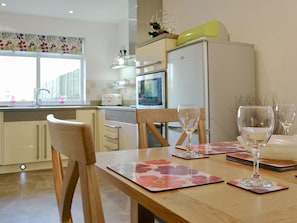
[[63, 107], [118, 108], [50, 107]]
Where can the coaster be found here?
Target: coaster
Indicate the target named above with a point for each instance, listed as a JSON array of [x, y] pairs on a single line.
[[182, 156], [258, 190]]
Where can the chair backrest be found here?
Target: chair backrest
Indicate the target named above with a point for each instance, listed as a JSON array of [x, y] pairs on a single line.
[[74, 140], [146, 119]]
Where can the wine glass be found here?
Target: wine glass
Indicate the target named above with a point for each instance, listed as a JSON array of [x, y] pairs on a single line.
[[256, 125], [188, 116], [286, 114]]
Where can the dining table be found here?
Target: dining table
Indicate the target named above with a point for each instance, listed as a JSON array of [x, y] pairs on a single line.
[[213, 202]]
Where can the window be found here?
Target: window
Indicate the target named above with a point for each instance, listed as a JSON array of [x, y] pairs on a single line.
[[62, 77], [21, 75], [29, 62]]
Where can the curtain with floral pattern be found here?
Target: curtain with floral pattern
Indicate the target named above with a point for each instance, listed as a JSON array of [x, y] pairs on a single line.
[[41, 43]]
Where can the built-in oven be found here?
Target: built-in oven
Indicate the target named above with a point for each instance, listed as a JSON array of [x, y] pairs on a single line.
[[150, 90]]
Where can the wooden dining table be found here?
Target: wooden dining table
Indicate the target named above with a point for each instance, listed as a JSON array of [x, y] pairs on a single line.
[[218, 202]]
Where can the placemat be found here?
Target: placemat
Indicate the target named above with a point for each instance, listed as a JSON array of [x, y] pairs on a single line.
[[162, 175], [216, 148], [276, 165], [258, 190], [182, 156]]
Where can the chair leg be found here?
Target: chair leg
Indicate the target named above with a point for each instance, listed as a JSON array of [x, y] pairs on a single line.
[[145, 215]]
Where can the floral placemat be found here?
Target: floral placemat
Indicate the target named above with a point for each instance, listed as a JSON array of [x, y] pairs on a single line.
[[162, 175], [258, 190], [184, 156], [216, 148]]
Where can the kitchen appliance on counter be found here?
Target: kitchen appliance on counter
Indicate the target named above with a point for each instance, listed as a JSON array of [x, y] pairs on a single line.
[[112, 99]]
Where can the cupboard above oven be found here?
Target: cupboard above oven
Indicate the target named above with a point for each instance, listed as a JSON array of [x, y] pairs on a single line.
[[151, 55]]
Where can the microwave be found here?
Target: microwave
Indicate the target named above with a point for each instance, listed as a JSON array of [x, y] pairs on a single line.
[[150, 90]]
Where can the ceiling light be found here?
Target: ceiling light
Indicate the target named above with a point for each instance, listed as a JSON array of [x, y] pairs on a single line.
[[70, 12], [3, 4]]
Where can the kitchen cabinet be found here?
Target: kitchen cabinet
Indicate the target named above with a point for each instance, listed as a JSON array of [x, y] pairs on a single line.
[[25, 142], [152, 55], [89, 116], [1, 138], [119, 135], [25, 139], [111, 136], [118, 129]]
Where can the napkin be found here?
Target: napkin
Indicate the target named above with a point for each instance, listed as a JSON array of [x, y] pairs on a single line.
[[279, 147]]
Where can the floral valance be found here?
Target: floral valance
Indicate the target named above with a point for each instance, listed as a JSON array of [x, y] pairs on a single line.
[[40, 43]]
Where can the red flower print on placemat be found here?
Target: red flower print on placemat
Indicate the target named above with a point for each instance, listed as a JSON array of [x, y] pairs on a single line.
[[205, 179], [157, 162], [160, 175], [142, 168], [160, 182], [176, 170]]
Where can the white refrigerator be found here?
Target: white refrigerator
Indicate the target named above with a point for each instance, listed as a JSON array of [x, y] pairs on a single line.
[[215, 75]]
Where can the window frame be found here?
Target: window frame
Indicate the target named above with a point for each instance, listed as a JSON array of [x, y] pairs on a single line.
[[38, 56]]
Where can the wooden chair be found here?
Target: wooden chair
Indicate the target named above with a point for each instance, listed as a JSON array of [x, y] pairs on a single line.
[[147, 117], [74, 140]]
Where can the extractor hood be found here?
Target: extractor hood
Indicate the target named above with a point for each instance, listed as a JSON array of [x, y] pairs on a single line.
[[123, 60], [126, 58]]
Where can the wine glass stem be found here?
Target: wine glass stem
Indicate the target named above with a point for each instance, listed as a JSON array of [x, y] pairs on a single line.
[[189, 142], [286, 130], [256, 160]]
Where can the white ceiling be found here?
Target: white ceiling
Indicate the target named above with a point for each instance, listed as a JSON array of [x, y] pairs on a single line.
[[113, 11]]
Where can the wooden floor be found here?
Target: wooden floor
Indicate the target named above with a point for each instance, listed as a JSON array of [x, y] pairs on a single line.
[[28, 197]]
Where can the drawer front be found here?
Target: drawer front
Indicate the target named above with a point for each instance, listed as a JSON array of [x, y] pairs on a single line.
[[111, 140]]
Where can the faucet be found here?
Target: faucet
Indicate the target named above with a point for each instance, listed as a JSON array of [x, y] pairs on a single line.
[[37, 99]]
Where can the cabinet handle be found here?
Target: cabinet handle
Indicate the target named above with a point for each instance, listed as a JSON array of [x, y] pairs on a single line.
[[37, 141], [45, 141], [112, 126], [148, 65], [118, 133], [111, 137], [94, 125], [109, 148]]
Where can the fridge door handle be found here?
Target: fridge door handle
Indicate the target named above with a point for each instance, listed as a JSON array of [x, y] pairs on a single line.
[[175, 128]]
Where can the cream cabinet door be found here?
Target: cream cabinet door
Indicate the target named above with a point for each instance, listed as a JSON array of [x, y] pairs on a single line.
[[1, 138], [89, 116], [153, 56], [25, 142]]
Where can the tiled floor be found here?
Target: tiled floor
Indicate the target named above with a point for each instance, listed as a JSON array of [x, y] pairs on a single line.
[[29, 197]]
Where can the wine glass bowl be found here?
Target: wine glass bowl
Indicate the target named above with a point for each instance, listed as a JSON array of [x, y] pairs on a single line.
[[286, 114], [256, 125], [188, 116]]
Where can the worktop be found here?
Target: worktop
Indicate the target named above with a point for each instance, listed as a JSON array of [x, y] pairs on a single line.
[[118, 108], [49, 107]]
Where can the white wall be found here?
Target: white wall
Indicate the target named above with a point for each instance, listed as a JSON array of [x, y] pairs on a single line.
[[271, 25], [100, 37]]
